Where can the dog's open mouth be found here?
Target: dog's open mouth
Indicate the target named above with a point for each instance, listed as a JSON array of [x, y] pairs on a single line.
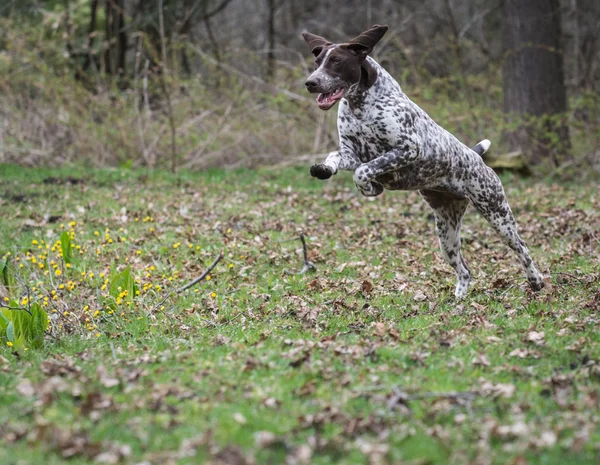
[[328, 99]]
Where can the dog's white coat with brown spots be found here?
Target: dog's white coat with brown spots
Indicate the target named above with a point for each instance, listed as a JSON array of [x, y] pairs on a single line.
[[391, 143]]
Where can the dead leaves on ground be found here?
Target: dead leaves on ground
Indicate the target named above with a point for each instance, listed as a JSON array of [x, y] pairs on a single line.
[[380, 268]]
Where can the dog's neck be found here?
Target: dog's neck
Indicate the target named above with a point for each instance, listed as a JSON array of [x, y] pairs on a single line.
[[368, 88]]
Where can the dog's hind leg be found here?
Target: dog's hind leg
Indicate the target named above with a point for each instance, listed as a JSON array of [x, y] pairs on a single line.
[[449, 210], [491, 202]]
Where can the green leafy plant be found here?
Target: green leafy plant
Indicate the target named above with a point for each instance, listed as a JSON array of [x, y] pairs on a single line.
[[6, 277], [22, 327], [123, 287], [65, 245]]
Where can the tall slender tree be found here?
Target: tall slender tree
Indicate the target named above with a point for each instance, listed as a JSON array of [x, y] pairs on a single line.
[[534, 84]]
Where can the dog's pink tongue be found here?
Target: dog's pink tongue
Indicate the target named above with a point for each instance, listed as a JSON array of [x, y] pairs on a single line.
[[324, 98]]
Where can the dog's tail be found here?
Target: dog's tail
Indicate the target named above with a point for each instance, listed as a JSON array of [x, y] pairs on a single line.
[[482, 147]]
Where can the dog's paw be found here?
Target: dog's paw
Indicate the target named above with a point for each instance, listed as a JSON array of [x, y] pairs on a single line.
[[536, 283], [321, 171], [370, 189]]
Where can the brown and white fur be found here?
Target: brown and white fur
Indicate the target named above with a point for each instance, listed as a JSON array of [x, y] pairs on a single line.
[[391, 143]]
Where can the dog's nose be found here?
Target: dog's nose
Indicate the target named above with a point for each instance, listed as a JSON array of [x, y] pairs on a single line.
[[312, 84]]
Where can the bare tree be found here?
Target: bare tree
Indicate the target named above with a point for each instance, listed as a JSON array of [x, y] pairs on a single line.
[[534, 84], [115, 37]]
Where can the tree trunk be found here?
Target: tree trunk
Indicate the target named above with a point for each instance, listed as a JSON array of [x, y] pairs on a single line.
[[89, 40], [116, 39], [271, 5], [534, 87]]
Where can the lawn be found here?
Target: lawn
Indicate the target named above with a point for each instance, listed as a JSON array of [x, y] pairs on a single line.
[[368, 359]]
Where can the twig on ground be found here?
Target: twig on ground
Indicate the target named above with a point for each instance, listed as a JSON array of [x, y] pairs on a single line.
[[192, 283], [308, 265], [202, 276], [561, 273]]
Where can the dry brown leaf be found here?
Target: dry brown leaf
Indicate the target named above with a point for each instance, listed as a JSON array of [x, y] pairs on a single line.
[[523, 353], [506, 390], [264, 438], [419, 297], [26, 388], [481, 360], [366, 287], [536, 337], [380, 329], [105, 379], [239, 418]]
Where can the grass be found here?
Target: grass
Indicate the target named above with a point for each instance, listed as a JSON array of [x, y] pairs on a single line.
[[366, 360]]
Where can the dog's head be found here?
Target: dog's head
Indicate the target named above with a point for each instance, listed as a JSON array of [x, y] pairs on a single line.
[[339, 67]]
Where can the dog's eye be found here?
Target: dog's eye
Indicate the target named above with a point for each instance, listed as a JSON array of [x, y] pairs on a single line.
[[334, 60]]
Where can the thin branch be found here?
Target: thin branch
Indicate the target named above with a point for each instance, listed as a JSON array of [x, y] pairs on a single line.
[[308, 265], [23, 309], [206, 14], [190, 284], [457, 51], [202, 276], [254, 79]]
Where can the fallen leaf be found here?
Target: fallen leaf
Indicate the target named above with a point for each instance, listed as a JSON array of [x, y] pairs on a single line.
[[105, 379], [302, 455], [523, 353], [380, 329], [481, 360], [264, 438], [518, 429], [505, 390], [271, 402], [536, 337], [419, 297], [26, 388], [239, 418]]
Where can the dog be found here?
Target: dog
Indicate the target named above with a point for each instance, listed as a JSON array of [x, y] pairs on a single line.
[[390, 143]]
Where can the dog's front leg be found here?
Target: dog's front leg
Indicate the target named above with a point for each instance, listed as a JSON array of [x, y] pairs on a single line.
[[366, 174], [333, 163]]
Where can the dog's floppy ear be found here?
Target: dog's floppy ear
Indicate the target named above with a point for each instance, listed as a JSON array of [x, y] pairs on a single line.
[[363, 44], [315, 42]]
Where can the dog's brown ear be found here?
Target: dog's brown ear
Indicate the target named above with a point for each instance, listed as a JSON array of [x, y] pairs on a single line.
[[315, 42], [363, 44]]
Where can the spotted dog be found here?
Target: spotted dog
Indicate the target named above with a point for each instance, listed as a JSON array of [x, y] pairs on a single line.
[[391, 143]]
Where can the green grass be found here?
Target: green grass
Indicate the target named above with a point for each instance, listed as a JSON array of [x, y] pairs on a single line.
[[354, 363]]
